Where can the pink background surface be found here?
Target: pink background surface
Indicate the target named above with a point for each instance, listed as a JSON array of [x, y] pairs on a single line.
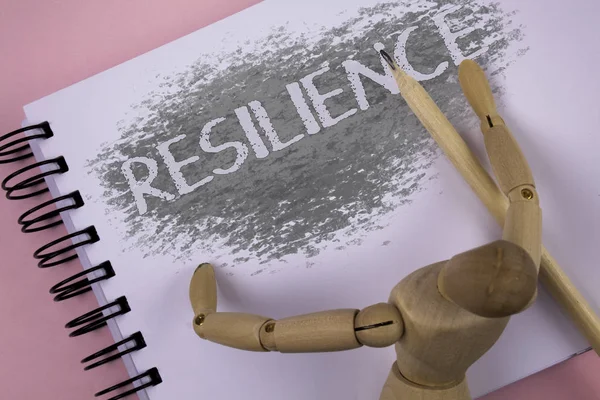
[[46, 45]]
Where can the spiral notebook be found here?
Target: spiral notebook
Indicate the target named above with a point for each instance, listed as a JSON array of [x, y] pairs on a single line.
[[274, 145]]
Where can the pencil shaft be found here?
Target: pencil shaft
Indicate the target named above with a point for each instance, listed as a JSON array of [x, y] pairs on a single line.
[[456, 150], [566, 294]]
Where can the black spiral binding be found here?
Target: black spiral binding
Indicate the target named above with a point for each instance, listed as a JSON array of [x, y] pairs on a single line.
[[147, 379], [51, 218], [26, 183], [132, 343], [21, 145], [52, 250], [73, 286], [32, 181], [96, 318]]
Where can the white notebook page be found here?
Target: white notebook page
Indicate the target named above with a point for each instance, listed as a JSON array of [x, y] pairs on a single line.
[[334, 192]]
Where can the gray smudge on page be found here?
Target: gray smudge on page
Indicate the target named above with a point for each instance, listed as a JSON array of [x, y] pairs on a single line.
[[329, 189]]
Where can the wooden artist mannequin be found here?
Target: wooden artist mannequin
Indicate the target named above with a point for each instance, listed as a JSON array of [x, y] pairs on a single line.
[[442, 317]]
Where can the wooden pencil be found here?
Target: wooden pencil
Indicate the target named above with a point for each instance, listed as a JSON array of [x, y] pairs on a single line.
[[551, 275]]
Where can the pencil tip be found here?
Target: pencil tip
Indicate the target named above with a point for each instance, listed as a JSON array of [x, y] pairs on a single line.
[[388, 59]]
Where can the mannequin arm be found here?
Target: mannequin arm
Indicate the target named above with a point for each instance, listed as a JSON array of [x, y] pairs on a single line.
[[379, 325], [511, 282], [501, 276], [523, 219], [512, 278]]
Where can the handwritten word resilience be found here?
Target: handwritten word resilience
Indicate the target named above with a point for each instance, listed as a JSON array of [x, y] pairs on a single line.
[[255, 144]]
